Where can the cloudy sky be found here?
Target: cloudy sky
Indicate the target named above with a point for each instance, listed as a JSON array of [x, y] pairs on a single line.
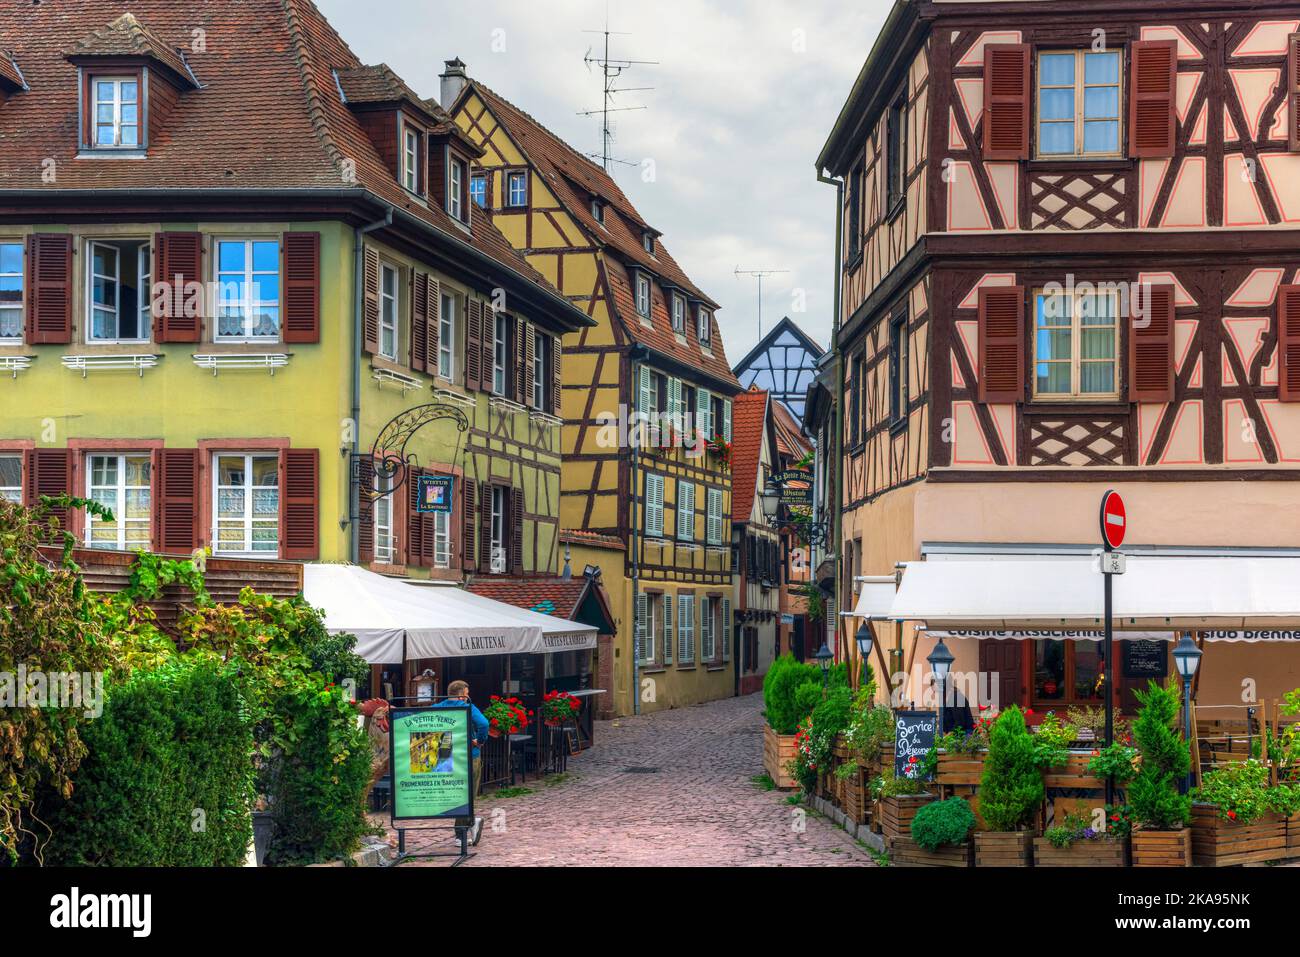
[[745, 92]]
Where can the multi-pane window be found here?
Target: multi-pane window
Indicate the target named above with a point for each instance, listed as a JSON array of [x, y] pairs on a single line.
[[119, 291], [246, 488], [447, 337], [899, 360], [248, 278], [117, 112], [517, 189], [679, 314], [478, 189], [455, 187], [650, 634], [388, 312], [708, 629], [1076, 344], [411, 160], [896, 152], [498, 525], [500, 353], [11, 292], [1079, 103], [705, 326], [648, 242], [643, 295], [11, 477], [385, 539], [542, 373], [121, 484], [1068, 671], [442, 539], [598, 211]]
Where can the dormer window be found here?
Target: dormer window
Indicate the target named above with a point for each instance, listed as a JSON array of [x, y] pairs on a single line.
[[679, 314], [411, 160], [705, 326], [598, 211], [117, 112], [643, 295], [648, 242]]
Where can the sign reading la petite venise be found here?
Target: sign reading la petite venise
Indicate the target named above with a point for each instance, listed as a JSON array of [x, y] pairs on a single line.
[[432, 763]]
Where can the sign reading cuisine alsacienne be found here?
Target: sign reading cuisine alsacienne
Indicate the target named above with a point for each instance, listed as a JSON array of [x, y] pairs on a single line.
[[430, 756]]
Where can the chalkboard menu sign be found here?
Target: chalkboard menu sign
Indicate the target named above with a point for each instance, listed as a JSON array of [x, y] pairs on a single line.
[[914, 733], [1146, 659]]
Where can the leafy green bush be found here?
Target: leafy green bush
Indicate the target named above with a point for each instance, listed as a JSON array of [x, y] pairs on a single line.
[[1166, 760], [1012, 787], [831, 713], [943, 824], [1241, 793], [780, 685], [1115, 761], [168, 777]]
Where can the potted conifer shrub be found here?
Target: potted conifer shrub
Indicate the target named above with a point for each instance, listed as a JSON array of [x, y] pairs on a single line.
[[1161, 838], [1011, 794]]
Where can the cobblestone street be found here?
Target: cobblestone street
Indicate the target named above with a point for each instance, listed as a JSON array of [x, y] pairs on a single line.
[[698, 807]]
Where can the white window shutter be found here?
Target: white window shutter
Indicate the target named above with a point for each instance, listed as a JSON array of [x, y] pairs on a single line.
[[647, 401], [674, 401], [686, 511], [726, 419], [685, 621], [668, 627], [704, 412], [642, 613], [654, 493], [713, 521], [726, 629]]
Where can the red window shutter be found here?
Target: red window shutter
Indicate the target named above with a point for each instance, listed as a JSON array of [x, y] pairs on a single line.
[[556, 381], [419, 341], [365, 510], [474, 345], [178, 261], [433, 290], [49, 298], [176, 501], [1002, 344], [1006, 101], [299, 504], [414, 519], [1292, 81], [302, 287], [1153, 116], [516, 496], [485, 529], [1151, 349], [370, 306], [468, 515], [1288, 343], [49, 472]]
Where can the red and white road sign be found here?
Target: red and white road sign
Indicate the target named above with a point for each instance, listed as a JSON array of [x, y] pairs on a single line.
[[1114, 520]]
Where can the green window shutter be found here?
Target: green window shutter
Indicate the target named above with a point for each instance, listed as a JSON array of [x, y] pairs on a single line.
[[654, 504], [726, 419], [713, 522], [704, 412], [667, 626], [647, 401], [686, 511]]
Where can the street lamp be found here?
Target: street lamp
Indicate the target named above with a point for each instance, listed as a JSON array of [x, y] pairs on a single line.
[[771, 500], [864, 640], [1188, 658], [940, 660], [824, 658]]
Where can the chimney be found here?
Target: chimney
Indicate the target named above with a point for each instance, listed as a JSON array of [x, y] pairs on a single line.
[[453, 81]]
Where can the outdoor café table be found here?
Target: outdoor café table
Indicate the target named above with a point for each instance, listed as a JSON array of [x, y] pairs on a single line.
[[516, 742], [585, 719]]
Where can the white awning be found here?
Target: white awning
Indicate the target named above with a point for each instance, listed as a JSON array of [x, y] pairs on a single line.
[[875, 596], [388, 615], [1232, 598]]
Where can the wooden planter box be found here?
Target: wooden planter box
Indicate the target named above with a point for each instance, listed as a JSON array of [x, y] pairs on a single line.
[[905, 852], [1074, 774], [857, 803], [1003, 848], [896, 813], [960, 769], [1101, 852], [1162, 848], [1220, 843], [778, 751], [1293, 835]]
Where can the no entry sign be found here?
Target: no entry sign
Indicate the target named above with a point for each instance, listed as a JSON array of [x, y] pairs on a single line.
[[1114, 520]]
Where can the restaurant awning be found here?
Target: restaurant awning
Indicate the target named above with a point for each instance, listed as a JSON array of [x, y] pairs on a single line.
[[875, 597], [393, 619], [1228, 597]]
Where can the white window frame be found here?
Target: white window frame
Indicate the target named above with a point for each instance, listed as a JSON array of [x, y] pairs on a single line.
[[410, 159], [13, 493], [389, 318], [598, 211], [455, 185], [441, 539], [1080, 92], [1076, 360], [480, 178], [248, 520], [679, 314], [648, 242], [21, 307], [650, 638], [385, 523], [704, 326], [120, 541], [117, 103], [143, 270], [542, 344], [498, 530], [249, 304], [500, 353], [708, 640], [513, 201], [447, 309], [643, 300], [685, 510]]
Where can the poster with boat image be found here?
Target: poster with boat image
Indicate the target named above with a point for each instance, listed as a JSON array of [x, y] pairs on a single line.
[[431, 762]]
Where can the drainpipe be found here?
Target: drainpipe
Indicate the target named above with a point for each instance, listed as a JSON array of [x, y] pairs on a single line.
[[637, 354], [358, 303], [837, 418]]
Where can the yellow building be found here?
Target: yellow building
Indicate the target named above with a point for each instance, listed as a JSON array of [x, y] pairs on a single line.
[[659, 494]]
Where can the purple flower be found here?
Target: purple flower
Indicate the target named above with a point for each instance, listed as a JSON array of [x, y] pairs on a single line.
[[1089, 834]]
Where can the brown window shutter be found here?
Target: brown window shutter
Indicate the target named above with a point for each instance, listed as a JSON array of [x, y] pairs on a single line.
[[468, 518], [520, 368], [365, 510], [516, 496], [370, 306], [485, 528], [488, 344], [176, 501], [299, 504], [1292, 81], [49, 299], [1288, 343], [414, 523], [1006, 101], [1153, 117], [419, 340], [1002, 344], [474, 345], [530, 358], [433, 290], [556, 379], [49, 472], [302, 287], [178, 261], [1151, 349], [438, 174]]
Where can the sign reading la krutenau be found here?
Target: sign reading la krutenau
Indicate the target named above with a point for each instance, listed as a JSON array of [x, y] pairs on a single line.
[[434, 493], [430, 753]]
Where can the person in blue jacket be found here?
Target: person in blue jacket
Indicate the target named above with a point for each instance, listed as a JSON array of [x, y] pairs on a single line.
[[458, 696]]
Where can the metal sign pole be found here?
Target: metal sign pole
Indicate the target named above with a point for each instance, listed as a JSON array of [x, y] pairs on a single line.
[[1110, 683]]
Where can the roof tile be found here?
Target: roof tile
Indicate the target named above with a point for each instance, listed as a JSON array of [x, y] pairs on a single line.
[[748, 420]]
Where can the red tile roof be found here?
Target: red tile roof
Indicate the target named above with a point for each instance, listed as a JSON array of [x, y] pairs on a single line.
[[268, 114], [748, 423], [10, 75], [790, 440], [577, 536], [547, 596]]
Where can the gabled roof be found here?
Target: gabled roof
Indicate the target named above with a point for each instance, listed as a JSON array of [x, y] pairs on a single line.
[[559, 597], [576, 181], [786, 327], [127, 36], [749, 424], [783, 362]]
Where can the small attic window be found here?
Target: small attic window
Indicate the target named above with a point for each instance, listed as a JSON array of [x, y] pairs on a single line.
[[648, 242], [598, 211], [115, 112]]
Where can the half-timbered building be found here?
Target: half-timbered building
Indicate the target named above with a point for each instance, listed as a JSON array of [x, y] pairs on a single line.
[[1068, 263], [654, 353]]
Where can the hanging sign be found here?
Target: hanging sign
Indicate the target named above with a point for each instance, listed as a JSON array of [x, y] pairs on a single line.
[[431, 759], [433, 494], [796, 487]]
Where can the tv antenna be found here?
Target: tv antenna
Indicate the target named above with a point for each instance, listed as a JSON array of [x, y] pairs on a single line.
[[760, 275], [612, 70]]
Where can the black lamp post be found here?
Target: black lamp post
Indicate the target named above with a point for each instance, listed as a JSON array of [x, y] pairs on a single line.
[[1188, 658], [940, 660], [824, 658], [864, 639]]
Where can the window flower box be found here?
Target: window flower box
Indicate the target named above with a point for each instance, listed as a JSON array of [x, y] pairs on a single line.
[[1003, 848], [1217, 842], [1153, 848], [778, 752], [1099, 852]]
